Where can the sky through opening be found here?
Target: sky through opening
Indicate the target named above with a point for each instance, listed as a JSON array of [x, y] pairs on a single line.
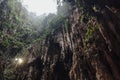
[[40, 7]]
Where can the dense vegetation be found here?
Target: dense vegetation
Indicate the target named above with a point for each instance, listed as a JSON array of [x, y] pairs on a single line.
[[20, 29]]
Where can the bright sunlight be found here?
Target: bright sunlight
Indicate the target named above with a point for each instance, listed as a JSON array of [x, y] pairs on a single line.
[[40, 7]]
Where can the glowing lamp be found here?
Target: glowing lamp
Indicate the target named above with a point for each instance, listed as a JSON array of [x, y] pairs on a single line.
[[20, 61], [16, 59]]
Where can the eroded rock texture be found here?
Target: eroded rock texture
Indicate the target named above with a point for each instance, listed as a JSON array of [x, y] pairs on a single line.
[[82, 50]]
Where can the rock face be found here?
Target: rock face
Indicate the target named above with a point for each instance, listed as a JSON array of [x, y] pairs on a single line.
[[77, 51], [81, 51]]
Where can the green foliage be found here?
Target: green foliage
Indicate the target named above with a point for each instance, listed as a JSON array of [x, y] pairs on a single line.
[[5, 41], [13, 21], [57, 22], [19, 28], [91, 29]]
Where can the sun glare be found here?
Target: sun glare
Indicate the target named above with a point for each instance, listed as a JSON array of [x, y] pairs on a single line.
[[40, 7]]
